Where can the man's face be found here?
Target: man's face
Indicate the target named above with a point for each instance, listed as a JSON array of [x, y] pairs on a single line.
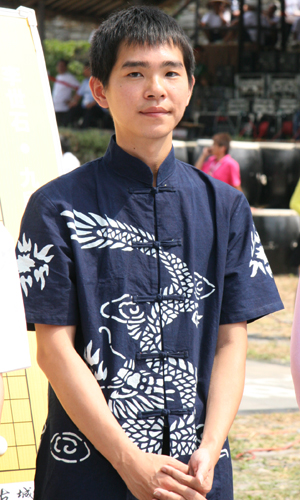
[[61, 67], [218, 151], [147, 93], [86, 72]]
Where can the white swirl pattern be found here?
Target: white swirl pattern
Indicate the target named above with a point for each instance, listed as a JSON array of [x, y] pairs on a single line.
[[69, 448]]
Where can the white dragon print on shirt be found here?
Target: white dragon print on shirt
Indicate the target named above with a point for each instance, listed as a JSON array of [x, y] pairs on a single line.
[[134, 392]]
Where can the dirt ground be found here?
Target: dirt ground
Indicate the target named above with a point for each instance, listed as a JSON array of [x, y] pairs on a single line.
[[273, 473]]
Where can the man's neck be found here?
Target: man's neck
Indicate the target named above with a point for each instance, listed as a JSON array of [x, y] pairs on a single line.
[[219, 157], [151, 151]]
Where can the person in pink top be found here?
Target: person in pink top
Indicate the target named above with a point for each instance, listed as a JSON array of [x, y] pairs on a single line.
[[295, 347], [216, 161]]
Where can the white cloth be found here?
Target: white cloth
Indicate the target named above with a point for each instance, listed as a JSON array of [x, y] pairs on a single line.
[[69, 162], [211, 20], [296, 29], [291, 7], [14, 348], [251, 20], [61, 94]]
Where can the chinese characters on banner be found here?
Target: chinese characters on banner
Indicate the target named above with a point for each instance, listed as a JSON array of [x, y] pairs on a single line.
[[11, 75], [29, 141], [30, 156], [15, 491]]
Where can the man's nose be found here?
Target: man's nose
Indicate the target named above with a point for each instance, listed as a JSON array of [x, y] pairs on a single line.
[[155, 88]]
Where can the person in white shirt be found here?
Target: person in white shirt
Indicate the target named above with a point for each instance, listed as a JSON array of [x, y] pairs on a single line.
[[296, 30], [63, 89], [69, 160], [250, 19], [83, 105], [292, 10], [216, 18]]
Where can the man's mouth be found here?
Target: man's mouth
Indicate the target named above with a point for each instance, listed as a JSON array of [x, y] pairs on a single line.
[[154, 111]]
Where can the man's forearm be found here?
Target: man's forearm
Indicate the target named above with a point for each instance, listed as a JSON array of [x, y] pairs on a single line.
[[83, 400], [226, 385], [79, 392], [225, 393], [200, 161]]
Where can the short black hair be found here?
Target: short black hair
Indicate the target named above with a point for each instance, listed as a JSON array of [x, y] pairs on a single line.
[[137, 25], [63, 61], [222, 139]]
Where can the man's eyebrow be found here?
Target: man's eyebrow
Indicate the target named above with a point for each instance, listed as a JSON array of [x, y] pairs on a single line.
[[144, 64], [173, 64], [134, 64]]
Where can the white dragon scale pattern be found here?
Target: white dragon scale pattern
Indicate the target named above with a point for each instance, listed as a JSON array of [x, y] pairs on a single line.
[[141, 391], [135, 391]]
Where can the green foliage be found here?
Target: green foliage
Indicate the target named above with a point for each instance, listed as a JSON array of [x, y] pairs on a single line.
[[86, 144], [76, 52]]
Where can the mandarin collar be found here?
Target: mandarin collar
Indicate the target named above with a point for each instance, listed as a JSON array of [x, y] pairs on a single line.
[[128, 166]]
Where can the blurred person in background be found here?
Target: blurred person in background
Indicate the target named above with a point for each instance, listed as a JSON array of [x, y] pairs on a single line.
[[295, 337], [69, 160], [65, 84], [217, 162], [83, 105], [250, 20], [295, 347], [217, 17]]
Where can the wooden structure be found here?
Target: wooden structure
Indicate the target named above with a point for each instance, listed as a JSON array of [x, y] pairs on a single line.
[[85, 10], [97, 10]]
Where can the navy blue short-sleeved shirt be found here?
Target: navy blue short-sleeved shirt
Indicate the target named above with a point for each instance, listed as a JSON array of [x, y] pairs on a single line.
[[147, 275]]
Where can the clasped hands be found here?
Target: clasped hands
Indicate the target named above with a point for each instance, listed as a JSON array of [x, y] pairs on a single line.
[[165, 478]]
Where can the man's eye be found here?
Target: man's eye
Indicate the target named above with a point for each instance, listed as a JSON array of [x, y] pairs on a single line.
[[135, 74], [172, 74]]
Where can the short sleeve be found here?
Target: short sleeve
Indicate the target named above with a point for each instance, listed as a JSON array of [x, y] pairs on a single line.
[[235, 174], [46, 265], [249, 288], [205, 18], [81, 89], [295, 26], [207, 164]]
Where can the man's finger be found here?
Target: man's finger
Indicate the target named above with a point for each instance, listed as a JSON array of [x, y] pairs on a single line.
[[189, 494], [184, 479]]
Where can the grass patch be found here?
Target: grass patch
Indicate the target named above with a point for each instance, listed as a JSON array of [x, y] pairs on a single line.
[[271, 350], [275, 326], [279, 324], [87, 144], [266, 475]]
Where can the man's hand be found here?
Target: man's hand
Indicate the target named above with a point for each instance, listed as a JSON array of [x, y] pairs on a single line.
[[206, 152], [159, 476], [199, 481], [201, 466]]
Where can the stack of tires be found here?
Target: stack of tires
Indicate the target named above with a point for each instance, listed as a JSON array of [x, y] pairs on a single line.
[[269, 174]]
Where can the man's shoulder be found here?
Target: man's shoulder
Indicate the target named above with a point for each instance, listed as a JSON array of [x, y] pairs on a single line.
[[230, 161], [69, 77], [71, 186], [224, 197], [202, 177]]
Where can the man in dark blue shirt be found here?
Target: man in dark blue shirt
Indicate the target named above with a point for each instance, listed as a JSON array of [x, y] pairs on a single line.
[[140, 273]]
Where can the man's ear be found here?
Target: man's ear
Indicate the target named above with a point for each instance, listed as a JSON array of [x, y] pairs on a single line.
[[98, 92], [191, 86]]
